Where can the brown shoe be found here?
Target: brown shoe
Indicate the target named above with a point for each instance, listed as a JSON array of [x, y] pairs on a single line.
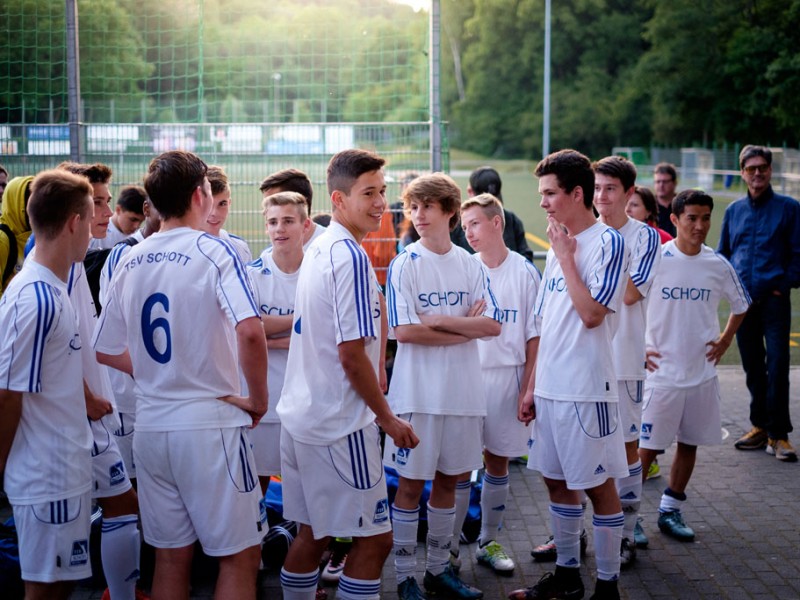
[[782, 450], [755, 439]]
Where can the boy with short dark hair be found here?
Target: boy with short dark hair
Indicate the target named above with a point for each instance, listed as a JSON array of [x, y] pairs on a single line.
[[684, 345], [440, 304], [576, 442], [333, 483], [126, 220], [41, 394]]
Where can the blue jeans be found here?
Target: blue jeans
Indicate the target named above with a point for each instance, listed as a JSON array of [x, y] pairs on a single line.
[[767, 366]]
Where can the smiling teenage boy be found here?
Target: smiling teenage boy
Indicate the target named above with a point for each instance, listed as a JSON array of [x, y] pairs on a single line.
[[333, 483], [684, 345], [439, 305], [576, 442]]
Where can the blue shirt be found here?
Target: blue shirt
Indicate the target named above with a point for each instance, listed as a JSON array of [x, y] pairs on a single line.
[[761, 239]]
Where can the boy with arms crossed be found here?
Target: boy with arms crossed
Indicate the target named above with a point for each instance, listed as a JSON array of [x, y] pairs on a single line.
[[333, 483], [576, 442], [684, 345], [614, 183], [507, 363], [41, 394], [439, 305], [195, 468], [274, 279]]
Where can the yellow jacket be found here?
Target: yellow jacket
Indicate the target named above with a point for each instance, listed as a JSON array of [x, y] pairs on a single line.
[[14, 216]]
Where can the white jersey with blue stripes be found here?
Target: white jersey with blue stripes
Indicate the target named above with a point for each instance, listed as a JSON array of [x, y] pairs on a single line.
[[239, 244], [337, 301], [40, 356], [628, 342], [174, 302], [682, 314], [437, 380], [274, 293], [515, 284], [575, 363]]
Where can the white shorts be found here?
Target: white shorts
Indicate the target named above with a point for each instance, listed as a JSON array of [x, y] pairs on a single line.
[[691, 414], [54, 539], [108, 468], [124, 437], [338, 490], [448, 444], [630, 408], [266, 440], [577, 442], [503, 433], [198, 484]]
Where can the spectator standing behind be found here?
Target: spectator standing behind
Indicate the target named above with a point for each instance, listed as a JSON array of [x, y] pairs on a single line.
[[642, 207], [665, 179], [14, 228], [486, 180], [761, 237], [3, 181]]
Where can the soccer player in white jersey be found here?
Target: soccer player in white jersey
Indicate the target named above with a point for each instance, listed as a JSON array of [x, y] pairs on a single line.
[[439, 304], [333, 483], [123, 385], [126, 220], [194, 464], [41, 394], [576, 441], [614, 184], [684, 345], [293, 180], [274, 279], [113, 491], [221, 191], [507, 363]]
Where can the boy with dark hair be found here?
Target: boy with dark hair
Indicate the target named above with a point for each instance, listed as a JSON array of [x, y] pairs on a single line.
[[440, 304], [221, 193], [614, 183], [576, 442], [507, 363], [127, 218], [194, 462], [293, 180], [333, 483], [41, 395], [684, 344]]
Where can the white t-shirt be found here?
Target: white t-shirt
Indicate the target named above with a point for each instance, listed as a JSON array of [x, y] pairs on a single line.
[[628, 342], [241, 246], [682, 314], [514, 284], [337, 301], [50, 457], [436, 380], [274, 293], [124, 387], [575, 363], [174, 302], [318, 231], [113, 237], [95, 374]]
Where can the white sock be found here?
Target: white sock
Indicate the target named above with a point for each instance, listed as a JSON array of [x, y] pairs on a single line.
[[669, 502], [630, 496], [493, 504], [404, 529], [463, 490], [119, 550], [607, 540], [567, 522], [358, 589], [299, 586], [440, 534]]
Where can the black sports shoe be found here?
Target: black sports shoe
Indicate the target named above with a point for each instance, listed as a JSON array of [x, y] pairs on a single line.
[[551, 587], [547, 552]]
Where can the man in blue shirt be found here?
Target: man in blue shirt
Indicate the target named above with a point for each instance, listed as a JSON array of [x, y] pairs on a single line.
[[761, 238]]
